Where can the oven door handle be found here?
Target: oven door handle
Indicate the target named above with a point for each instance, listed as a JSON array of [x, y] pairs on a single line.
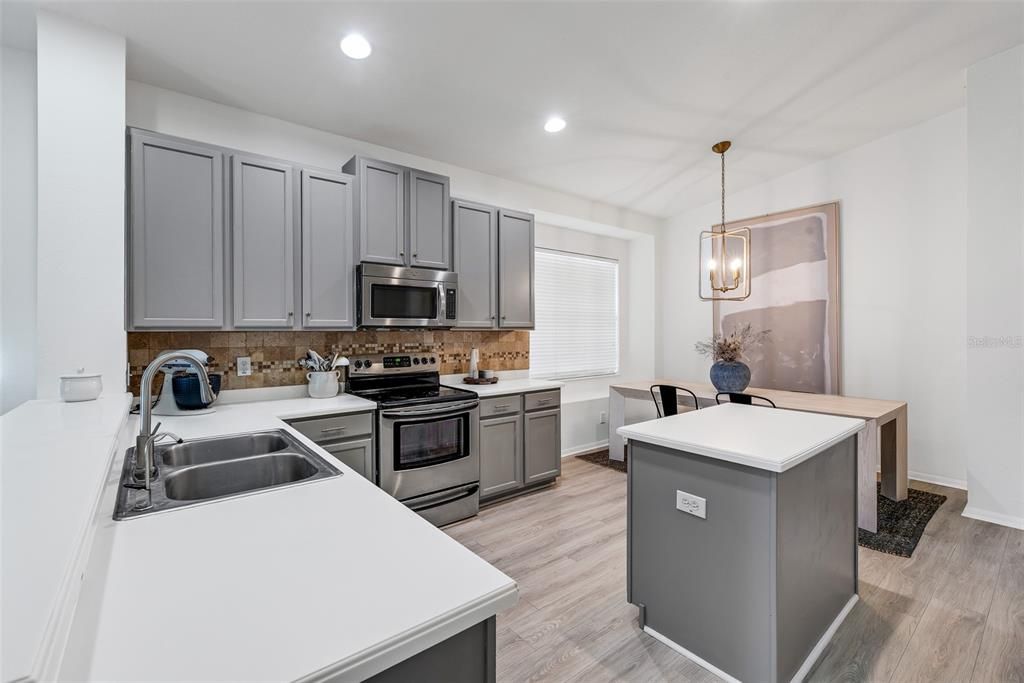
[[443, 498], [460, 406]]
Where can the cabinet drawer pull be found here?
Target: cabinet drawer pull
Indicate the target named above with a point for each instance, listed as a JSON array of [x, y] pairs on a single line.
[[332, 430], [544, 401], [502, 406]]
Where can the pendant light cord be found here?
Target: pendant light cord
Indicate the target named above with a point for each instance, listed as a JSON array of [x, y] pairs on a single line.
[[723, 191]]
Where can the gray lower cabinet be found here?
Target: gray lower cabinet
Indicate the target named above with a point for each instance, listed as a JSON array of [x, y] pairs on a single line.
[[520, 442], [175, 234], [542, 432], [328, 261], [501, 454], [475, 235], [515, 269], [430, 232], [348, 437], [263, 236], [357, 454]]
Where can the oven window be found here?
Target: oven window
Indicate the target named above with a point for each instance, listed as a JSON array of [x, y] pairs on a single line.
[[397, 301], [431, 442]]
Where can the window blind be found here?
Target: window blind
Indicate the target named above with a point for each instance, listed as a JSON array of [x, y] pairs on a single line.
[[577, 316]]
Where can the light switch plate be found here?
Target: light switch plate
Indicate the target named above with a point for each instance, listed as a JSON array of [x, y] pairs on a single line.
[[244, 365], [691, 504]]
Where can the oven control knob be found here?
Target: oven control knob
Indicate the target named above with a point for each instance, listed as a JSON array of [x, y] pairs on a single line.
[[423, 360], [358, 364], [433, 360], [415, 361]]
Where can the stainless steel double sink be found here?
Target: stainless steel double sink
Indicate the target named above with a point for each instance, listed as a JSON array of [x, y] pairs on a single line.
[[201, 470]]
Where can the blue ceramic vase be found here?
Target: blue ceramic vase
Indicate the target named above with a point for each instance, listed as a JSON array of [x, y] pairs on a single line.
[[730, 376]]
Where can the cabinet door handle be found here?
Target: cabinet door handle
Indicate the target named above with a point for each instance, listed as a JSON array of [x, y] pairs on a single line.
[[333, 430], [415, 255], [291, 314], [308, 314]]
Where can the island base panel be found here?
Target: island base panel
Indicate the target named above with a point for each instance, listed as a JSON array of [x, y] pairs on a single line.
[[752, 588], [466, 657]]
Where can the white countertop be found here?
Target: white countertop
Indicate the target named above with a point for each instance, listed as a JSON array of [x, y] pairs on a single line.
[[502, 387], [329, 578], [756, 436], [54, 459]]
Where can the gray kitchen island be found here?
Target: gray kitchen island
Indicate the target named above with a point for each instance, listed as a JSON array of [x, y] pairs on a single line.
[[742, 535]]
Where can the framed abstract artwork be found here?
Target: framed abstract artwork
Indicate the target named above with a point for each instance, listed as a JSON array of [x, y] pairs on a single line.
[[794, 269]]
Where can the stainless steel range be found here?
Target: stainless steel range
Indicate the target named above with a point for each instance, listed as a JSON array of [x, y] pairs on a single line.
[[428, 444]]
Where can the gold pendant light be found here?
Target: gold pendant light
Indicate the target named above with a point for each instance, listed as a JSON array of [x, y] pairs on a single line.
[[724, 254]]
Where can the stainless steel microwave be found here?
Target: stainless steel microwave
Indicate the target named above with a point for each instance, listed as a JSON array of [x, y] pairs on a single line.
[[391, 296]]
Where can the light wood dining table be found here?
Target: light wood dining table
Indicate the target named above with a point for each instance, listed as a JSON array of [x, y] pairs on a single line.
[[883, 441]]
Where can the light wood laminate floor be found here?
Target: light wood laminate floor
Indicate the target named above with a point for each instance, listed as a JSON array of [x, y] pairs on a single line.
[[952, 612]]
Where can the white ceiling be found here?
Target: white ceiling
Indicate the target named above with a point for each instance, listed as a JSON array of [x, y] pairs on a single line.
[[646, 87]]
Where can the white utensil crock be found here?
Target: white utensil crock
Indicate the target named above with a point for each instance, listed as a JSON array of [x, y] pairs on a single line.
[[80, 387], [323, 384]]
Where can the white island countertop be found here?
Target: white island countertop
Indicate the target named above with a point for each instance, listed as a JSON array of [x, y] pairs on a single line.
[[329, 579], [503, 387], [755, 436]]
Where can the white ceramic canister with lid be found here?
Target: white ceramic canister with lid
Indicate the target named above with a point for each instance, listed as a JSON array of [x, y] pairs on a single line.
[[81, 386]]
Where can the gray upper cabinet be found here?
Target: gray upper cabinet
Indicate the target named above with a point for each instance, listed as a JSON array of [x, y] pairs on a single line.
[[380, 210], [475, 228], [402, 215], [328, 262], [263, 241], [430, 243], [542, 436], [515, 269], [175, 233]]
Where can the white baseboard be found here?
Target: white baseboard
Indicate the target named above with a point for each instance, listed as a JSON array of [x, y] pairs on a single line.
[[801, 673], [994, 517], [941, 481], [689, 655], [585, 448], [822, 643]]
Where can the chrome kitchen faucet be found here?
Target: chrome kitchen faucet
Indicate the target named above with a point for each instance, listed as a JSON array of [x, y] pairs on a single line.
[[148, 436]]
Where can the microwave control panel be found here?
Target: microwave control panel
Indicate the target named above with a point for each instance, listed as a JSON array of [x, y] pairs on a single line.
[[449, 298]]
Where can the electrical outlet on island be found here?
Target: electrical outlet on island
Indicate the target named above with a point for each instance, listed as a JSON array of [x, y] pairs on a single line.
[[691, 504]]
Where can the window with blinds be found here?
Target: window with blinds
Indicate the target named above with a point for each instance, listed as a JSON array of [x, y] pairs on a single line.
[[577, 316]]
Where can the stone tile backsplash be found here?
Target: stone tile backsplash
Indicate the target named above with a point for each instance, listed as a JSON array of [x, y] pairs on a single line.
[[274, 354]]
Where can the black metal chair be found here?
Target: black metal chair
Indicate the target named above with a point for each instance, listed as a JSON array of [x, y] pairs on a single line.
[[745, 399], [669, 395]]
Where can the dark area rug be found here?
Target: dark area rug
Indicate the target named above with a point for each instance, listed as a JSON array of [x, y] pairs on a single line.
[[900, 524], [601, 458]]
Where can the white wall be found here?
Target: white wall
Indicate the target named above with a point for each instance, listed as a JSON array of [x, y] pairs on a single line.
[[902, 238], [173, 113], [80, 296], [994, 417], [18, 229]]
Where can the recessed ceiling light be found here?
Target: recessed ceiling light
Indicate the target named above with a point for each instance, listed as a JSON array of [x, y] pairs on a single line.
[[355, 46], [554, 124]]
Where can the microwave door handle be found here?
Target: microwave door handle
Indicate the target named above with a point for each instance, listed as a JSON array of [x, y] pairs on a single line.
[[442, 304], [451, 408]]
